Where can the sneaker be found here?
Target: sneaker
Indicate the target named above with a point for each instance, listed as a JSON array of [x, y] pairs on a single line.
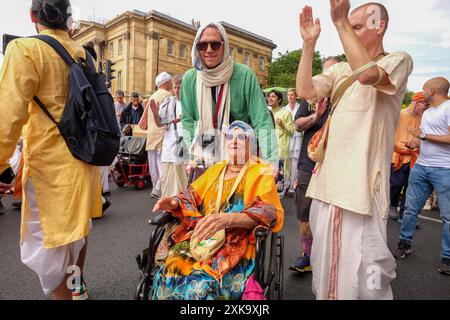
[[154, 196], [106, 194], [393, 214], [403, 250], [80, 293], [106, 205], [302, 265], [444, 268], [418, 226], [17, 205]]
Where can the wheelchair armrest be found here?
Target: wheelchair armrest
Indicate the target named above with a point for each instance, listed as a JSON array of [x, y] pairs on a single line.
[[161, 219], [261, 233]]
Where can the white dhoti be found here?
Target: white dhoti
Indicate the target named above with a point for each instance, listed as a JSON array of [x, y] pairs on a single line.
[[173, 179], [154, 163], [104, 172], [350, 256], [51, 265]]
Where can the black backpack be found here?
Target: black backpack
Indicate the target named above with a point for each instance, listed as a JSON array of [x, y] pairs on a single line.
[[88, 123]]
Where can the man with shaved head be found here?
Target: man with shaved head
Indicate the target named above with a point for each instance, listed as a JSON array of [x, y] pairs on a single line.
[[350, 185], [432, 170]]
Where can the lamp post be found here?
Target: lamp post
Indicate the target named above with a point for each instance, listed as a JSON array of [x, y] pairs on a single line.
[[156, 36]]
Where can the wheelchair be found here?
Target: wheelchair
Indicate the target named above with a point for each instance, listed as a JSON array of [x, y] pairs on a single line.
[[268, 267]]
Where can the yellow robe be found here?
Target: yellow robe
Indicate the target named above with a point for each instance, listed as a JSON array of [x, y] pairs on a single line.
[[68, 191]]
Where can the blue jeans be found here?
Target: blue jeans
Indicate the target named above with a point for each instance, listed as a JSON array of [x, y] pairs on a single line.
[[422, 182]]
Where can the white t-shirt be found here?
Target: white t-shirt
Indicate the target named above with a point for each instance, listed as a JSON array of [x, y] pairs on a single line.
[[170, 139], [435, 121]]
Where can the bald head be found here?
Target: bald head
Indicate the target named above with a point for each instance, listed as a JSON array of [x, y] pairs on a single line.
[[436, 90], [376, 12], [440, 85]]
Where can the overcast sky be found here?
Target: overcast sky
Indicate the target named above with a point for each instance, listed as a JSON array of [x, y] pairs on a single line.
[[420, 27]]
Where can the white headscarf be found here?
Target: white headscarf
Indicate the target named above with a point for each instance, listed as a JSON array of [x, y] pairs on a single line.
[[196, 59], [206, 79]]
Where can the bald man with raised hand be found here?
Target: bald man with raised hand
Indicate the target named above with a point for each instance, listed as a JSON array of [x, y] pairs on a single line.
[[350, 187], [432, 169]]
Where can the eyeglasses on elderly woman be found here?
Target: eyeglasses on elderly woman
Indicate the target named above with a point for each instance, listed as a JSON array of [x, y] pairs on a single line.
[[241, 136]]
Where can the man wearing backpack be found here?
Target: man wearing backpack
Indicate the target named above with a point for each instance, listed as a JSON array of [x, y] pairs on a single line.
[[61, 193]]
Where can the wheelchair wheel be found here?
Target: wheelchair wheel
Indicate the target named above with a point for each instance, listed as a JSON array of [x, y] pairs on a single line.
[[121, 181], [140, 184], [275, 270]]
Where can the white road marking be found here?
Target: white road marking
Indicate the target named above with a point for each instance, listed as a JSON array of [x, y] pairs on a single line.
[[430, 219]]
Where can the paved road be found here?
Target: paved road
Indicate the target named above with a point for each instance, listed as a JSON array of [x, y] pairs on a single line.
[[111, 270]]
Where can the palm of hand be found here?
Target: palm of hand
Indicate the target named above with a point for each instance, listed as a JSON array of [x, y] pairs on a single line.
[[309, 29], [154, 106]]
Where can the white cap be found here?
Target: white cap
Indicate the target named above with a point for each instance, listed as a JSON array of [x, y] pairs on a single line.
[[163, 78]]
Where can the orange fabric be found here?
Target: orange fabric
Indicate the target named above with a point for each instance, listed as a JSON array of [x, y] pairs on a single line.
[[403, 155], [18, 184], [261, 182], [419, 96]]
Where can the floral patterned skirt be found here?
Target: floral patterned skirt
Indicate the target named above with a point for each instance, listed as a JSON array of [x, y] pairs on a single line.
[[178, 280]]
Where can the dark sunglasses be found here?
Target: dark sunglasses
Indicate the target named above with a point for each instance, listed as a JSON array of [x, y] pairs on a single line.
[[240, 136], [215, 45]]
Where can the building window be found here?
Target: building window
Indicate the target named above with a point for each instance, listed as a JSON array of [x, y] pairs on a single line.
[[170, 48], [262, 63], [247, 58], [119, 81], [182, 51], [120, 47], [232, 51], [111, 49]]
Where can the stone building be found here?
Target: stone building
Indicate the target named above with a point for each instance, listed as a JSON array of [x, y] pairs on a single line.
[[144, 44]]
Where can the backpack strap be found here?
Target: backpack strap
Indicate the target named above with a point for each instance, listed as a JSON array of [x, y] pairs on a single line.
[[57, 46], [43, 108]]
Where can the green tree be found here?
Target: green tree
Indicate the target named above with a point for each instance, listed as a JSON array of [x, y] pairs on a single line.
[[283, 71], [408, 98]]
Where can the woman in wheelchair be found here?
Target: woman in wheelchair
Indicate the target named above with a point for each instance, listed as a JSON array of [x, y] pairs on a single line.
[[212, 250]]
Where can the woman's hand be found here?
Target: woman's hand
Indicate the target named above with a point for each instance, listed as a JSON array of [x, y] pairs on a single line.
[[166, 204], [340, 10], [212, 223], [309, 30], [280, 124]]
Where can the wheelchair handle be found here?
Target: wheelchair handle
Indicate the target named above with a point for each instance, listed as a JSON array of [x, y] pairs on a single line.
[[161, 219]]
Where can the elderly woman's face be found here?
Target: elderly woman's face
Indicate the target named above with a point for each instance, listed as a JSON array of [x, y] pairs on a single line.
[[238, 145], [211, 48]]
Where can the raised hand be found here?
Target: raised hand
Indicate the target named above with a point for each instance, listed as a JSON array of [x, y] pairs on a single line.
[[309, 29], [154, 107], [321, 107], [166, 204], [340, 10]]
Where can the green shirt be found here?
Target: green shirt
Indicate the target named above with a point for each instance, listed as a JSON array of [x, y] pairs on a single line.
[[247, 105]]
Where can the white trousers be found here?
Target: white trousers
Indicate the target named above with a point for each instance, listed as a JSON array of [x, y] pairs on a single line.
[[154, 163], [350, 256], [294, 173], [173, 180], [104, 172], [51, 265]]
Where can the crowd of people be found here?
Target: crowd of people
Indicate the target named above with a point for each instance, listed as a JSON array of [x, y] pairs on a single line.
[[343, 146]]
